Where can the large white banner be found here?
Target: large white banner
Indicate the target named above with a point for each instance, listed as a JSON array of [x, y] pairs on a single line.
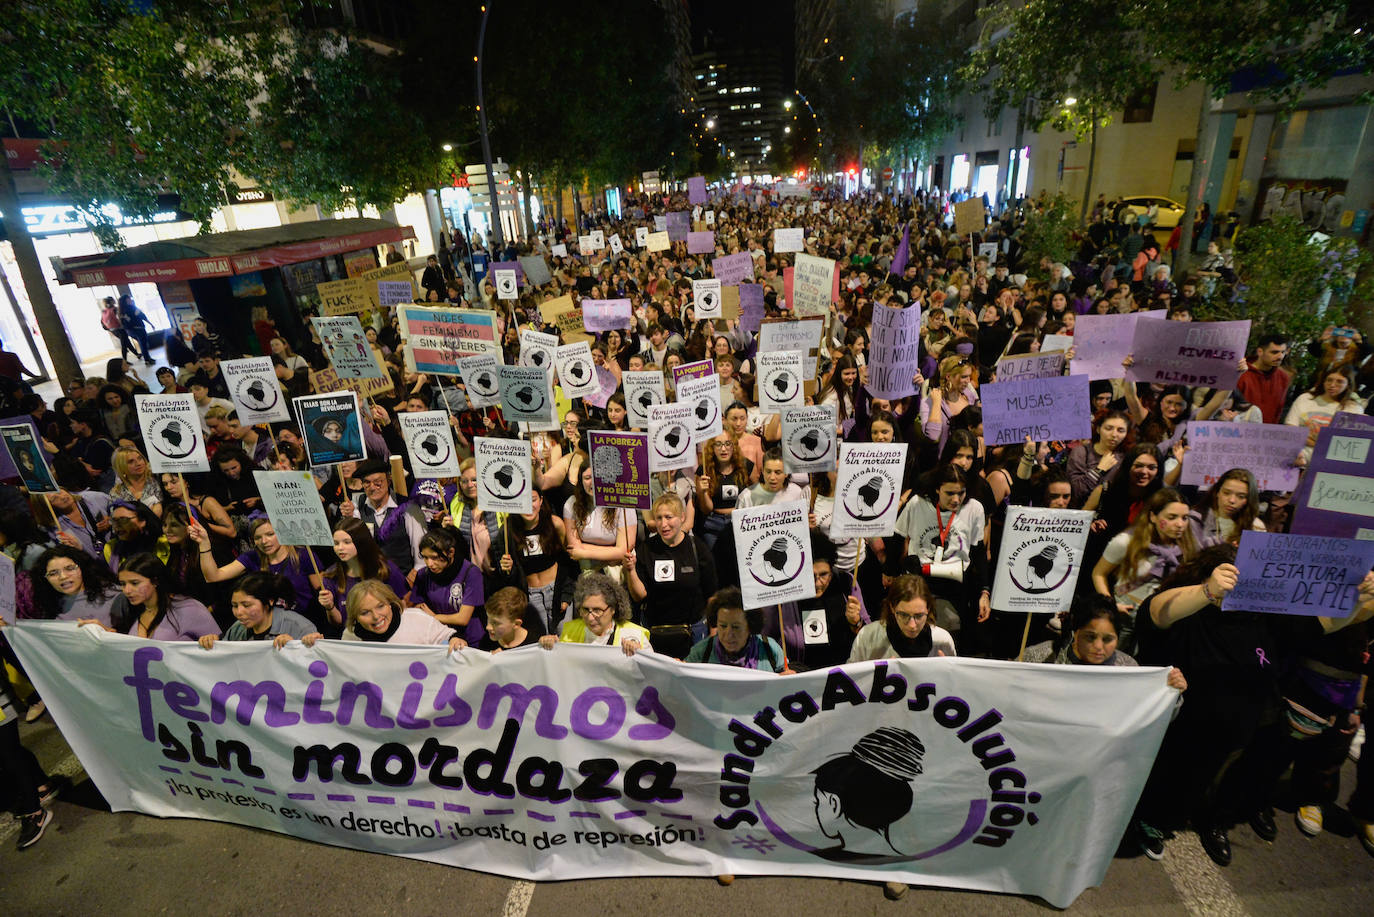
[[430, 444], [868, 489], [583, 763], [257, 395], [1041, 558], [172, 433]]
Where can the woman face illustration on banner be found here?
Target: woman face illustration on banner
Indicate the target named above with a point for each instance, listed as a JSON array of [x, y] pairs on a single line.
[[861, 794]]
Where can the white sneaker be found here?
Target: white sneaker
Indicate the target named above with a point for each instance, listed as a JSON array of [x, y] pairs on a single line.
[[35, 712], [1356, 743], [1309, 820]]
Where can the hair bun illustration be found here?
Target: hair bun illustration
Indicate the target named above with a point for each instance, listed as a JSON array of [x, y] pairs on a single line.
[[895, 752]]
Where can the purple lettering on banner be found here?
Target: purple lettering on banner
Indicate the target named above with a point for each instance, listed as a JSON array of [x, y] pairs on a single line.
[[701, 243], [894, 354], [620, 469], [731, 269], [696, 190], [608, 387], [1188, 353], [1268, 450], [1299, 574], [750, 307], [1336, 497], [679, 224], [692, 370], [606, 314], [1056, 408]]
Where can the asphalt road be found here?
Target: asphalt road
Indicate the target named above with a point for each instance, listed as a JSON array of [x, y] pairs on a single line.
[[92, 861]]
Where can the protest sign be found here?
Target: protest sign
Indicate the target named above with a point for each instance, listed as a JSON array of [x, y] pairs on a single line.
[[1268, 450], [729, 304], [1102, 342], [681, 742], [344, 297], [172, 433], [506, 285], [988, 250], [643, 390], [606, 314], [658, 242], [332, 428], [894, 354], [1336, 496], [620, 469], [607, 384], [536, 348], [393, 292], [1029, 366], [26, 453], [794, 334], [1299, 574], [504, 475], [430, 443], [696, 190], [809, 438], [709, 218], [679, 224], [576, 371], [1041, 558], [527, 393], [257, 395], [536, 270], [970, 216], [813, 281], [350, 355], [694, 370], [558, 250], [641, 236], [1055, 408], [789, 240], [616, 245], [868, 489], [751, 308], [1188, 353], [510, 266], [481, 377], [598, 239], [703, 395], [293, 504], [327, 380], [671, 443], [567, 317], [437, 338], [1345, 420], [701, 243], [733, 269], [706, 298], [585, 245], [660, 223], [779, 380], [773, 550]]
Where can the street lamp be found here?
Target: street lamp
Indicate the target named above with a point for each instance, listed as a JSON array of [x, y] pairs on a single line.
[[448, 148], [710, 124], [787, 104]]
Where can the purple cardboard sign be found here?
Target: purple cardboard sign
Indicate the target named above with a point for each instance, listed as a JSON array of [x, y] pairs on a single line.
[[1299, 574], [1336, 497], [894, 355], [750, 307], [1268, 450], [509, 266], [606, 314], [1056, 408], [696, 190], [732, 269], [1102, 342], [701, 243], [1345, 420], [1030, 366], [692, 370], [1188, 353], [620, 469], [599, 398], [679, 224]]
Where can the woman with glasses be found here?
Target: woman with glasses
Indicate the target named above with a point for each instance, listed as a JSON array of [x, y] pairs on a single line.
[[722, 477], [602, 617], [904, 630], [475, 528], [73, 585]]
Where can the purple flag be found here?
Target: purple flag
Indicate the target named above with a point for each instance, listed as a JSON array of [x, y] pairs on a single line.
[[903, 255]]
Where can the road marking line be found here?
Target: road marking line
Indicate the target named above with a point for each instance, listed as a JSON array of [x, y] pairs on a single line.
[[1200, 882], [518, 899]]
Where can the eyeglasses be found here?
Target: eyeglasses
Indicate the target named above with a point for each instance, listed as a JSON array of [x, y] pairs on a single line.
[[62, 571], [589, 611], [904, 618]]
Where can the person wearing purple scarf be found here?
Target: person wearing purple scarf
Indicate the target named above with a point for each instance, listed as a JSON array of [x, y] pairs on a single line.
[[736, 639]]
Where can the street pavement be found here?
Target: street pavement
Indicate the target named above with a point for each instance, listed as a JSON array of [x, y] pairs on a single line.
[[92, 861]]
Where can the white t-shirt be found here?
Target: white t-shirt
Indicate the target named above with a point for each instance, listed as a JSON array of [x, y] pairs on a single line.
[[918, 524], [1129, 589]]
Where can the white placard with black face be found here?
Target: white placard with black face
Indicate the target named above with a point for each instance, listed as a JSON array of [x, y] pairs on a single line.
[[616, 245], [171, 431], [703, 395], [598, 240], [780, 381], [868, 489], [671, 443], [643, 390], [576, 371], [527, 394], [257, 395], [641, 236], [504, 475], [481, 379], [507, 286], [809, 437], [706, 297], [537, 348], [430, 444]]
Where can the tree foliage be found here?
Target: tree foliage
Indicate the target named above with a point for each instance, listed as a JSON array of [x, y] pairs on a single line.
[[1048, 232]]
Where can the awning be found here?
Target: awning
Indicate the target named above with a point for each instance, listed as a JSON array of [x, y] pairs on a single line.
[[227, 253]]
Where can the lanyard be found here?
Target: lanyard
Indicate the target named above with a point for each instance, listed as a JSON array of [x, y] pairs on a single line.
[[943, 528]]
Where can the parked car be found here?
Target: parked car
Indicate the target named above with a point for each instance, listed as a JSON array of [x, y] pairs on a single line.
[[1166, 218]]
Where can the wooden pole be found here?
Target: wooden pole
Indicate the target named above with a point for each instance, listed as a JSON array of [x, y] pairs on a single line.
[[782, 641], [186, 498], [51, 512], [1025, 635]]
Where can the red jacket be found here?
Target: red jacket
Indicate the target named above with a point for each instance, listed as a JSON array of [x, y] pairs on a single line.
[[1266, 390]]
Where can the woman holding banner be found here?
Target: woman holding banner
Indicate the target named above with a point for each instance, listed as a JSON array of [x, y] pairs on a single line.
[[449, 586], [71, 585], [261, 605], [904, 629], [736, 637], [376, 615], [150, 605], [358, 558], [603, 617]]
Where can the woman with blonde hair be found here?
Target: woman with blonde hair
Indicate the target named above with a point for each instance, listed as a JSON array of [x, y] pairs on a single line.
[[376, 615], [134, 479], [948, 399]]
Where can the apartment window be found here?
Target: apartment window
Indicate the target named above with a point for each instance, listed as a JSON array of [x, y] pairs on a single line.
[[1140, 108]]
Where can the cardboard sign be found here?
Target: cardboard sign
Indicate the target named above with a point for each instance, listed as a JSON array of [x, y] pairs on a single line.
[[773, 549], [641, 236], [327, 380], [1056, 408], [704, 396], [293, 504], [504, 475], [430, 443], [607, 314], [1267, 450], [436, 339], [1041, 558], [868, 489], [620, 469], [536, 270], [791, 334], [559, 250], [506, 285], [1336, 497], [658, 242], [1188, 353], [616, 245], [780, 381], [537, 348], [527, 393], [332, 428], [26, 452], [789, 240], [678, 225], [643, 390], [706, 298], [1299, 574], [255, 390], [567, 317], [576, 371], [701, 243], [598, 239], [172, 433], [751, 308], [696, 190], [672, 444], [349, 353], [693, 370], [894, 353], [809, 438], [813, 280], [1029, 366], [970, 216], [1102, 342], [733, 269], [481, 376]]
